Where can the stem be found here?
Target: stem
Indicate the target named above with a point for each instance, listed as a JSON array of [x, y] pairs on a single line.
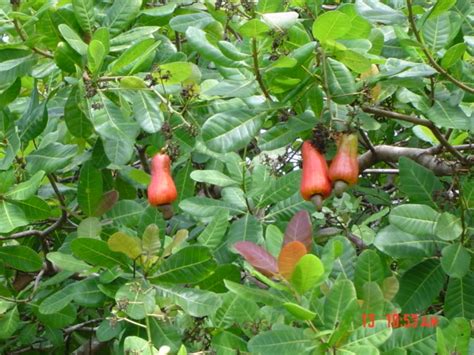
[[257, 70], [431, 60]]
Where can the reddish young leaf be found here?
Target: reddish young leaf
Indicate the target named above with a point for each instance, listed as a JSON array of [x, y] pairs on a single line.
[[289, 256], [299, 229], [109, 199], [258, 257]]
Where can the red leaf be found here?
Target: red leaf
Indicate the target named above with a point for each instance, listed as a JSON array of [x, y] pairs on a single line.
[[258, 257], [299, 229], [289, 256], [109, 199]]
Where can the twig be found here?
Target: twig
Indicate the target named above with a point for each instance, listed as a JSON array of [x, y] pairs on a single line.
[[431, 60], [23, 37], [78, 326], [380, 171], [257, 69], [57, 224]]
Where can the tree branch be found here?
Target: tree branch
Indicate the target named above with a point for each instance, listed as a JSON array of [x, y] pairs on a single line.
[[388, 153], [431, 60], [419, 121], [56, 225], [257, 69]]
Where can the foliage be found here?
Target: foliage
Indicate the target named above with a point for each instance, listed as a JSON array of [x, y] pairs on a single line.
[[90, 90]]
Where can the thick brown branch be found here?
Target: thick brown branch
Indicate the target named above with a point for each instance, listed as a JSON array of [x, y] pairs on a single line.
[[388, 153], [419, 121]]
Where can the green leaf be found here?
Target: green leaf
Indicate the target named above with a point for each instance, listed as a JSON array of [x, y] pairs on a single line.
[[89, 188], [414, 219], [123, 243], [281, 189], [147, 111], [195, 302], [369, 268], [11, 217], [58, 300], [127, 213], [67, 262], [213, 177], [341, 295], [253, 28], [227, 343], [444, 115], [198, 42], [206, 207], [34, 208], [50, 158], [399, 244], [60, 319], [214, 232], [439, 31], [340, 82], [307, 273], [75, 115], [412, 340], [419, 286], [89, 228], [453, 55], [9, 323], [378, 12], [283, 341], [459, 300], [375, 335], [441, 7], [73, 39], [231, 130], [418, 182], [11, 93], [455, 260], [264, 6], [246, 228], [117, 131], [15, 64], [21, 258], [181, 23], [121, 14], [331, 25], [95, 55], [215, 282], [456, 336], [256, 294], [27, 189], [234, 310], [97, 252], [189, 265], [137, 58], [139, 299], [298, 311], [66, 58], [137, 345], [448, 226], [85, 15]]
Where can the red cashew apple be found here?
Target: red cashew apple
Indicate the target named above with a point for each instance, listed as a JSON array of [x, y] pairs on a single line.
[[344, 168]]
